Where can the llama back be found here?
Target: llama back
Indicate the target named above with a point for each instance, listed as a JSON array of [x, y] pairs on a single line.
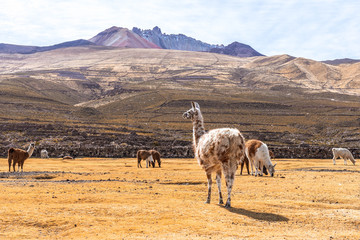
[[222, 143]]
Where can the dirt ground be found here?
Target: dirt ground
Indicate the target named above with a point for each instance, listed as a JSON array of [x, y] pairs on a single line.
[[113, 199]]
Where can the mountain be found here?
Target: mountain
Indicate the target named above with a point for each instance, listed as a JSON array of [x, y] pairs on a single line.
[[183, 42], [97, 101], [237, 49], [11, 48], [121, 37], [137, 38], [173, 41], [341, 61]]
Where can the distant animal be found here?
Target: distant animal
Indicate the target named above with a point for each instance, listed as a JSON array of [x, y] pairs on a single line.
[[44, 154], [68, 157], [156, 157], [144, 155], [218, 150], [18, 156], [344, 154], [258, 154]]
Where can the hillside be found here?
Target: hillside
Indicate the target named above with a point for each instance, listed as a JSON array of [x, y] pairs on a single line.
[[106, 101]]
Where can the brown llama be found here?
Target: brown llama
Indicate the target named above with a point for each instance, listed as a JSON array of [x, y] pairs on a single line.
[[156, 157], [258, 154], [246, 162], [18, 156], [218, 150], [144, 155]]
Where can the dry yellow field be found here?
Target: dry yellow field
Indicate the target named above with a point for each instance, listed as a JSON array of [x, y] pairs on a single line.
[[113, 199]]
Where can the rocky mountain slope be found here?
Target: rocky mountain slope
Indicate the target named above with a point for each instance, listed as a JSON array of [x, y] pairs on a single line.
[[106, 101], [173, 41], [236, 49], [121, 37]]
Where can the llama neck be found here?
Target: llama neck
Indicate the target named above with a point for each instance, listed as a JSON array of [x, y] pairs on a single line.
[[30, 150], [198, 129]]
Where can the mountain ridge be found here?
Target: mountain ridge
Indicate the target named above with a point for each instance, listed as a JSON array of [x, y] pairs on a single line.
[[137, 38]]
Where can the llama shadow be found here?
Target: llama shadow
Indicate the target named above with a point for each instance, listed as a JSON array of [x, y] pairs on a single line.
[[269, 217]]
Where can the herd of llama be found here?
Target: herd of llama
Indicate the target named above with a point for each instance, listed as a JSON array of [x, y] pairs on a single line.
[[218, 151]]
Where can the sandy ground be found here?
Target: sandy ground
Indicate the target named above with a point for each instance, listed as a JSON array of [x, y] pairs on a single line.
[[113, 199]]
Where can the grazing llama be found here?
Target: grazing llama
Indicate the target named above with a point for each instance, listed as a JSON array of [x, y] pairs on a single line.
[[18, 156], [218, 150], [246, 162], [144, 155], [156, 157], [258, 154], [344, 154], [44, 154]]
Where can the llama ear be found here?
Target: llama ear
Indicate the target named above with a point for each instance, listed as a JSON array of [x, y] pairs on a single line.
[[193, 104], [196, 105]]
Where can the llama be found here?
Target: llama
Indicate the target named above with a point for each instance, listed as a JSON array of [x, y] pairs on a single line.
[[344, 154], [18, 156], [258, 154], [218, 150], [44, 154], [144, 155], [246, 162], [156, 157], [68, 157]]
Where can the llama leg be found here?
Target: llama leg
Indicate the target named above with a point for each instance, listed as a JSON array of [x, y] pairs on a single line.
[[209, 187], [241, 167], [345, 163], [229, 179], [247, 166], [9, 161], [334, 160], [14, 164], [218, 182], [252, 167], [256, 168], [22, 166], [261, 166], [229, 172]]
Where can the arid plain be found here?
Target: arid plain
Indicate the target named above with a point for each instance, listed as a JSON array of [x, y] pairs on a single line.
[[99, 198]]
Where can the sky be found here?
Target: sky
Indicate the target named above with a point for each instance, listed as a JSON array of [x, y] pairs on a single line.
[[315, 29]]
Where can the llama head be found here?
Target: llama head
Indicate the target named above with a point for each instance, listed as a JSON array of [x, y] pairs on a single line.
[[272, 169], [32, 145], [192, 112]]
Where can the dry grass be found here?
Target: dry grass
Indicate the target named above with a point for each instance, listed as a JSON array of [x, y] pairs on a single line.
[[113, 199]]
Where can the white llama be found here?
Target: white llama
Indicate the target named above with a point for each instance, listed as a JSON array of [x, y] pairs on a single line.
[[44, 154], [258, 154], [344, 154], [218, 150]]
